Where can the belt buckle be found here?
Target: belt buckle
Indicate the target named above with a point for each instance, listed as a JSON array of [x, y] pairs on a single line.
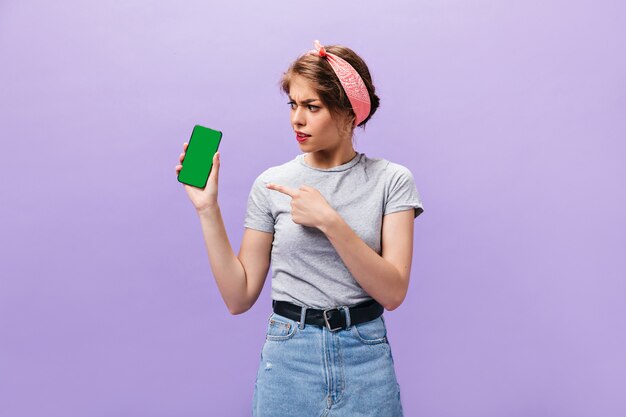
[[326, 319]]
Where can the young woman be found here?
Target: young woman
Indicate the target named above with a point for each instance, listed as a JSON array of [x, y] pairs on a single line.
[[338, 228]]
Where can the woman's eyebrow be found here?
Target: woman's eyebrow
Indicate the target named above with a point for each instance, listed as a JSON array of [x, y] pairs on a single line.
[[308, 100]]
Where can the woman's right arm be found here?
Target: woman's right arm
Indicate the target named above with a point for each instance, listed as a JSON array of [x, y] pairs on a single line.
[[240, 278]]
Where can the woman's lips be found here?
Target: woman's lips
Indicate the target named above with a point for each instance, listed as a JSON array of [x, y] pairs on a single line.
[[301, 138]]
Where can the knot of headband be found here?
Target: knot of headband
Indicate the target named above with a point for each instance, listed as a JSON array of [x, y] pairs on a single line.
[[351, 82]]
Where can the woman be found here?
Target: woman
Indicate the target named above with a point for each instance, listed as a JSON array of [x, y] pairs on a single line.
[[338, 228]]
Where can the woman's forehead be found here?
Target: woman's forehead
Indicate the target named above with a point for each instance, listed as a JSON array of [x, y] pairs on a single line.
[[301, 86]]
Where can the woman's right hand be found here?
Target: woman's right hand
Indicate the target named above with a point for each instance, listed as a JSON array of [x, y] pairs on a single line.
[[206, 197]]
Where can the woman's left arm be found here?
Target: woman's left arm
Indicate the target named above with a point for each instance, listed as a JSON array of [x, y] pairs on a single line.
[[386, 277]]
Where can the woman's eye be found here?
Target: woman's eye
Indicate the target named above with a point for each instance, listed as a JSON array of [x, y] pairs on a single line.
[[311, 107]]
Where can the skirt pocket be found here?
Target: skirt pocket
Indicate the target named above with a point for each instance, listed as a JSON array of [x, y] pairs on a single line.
[[280, 328], [371, 332]]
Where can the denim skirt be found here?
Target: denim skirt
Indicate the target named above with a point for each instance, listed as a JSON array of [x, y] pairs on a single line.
[[308, 371]]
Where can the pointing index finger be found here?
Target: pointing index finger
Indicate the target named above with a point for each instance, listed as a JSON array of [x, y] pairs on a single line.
[[282, 188]]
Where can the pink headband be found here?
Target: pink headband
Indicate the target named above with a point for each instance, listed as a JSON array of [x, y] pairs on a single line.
[[351, 81]]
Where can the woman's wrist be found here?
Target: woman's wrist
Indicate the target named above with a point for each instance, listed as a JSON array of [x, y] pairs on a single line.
[[207, 208]]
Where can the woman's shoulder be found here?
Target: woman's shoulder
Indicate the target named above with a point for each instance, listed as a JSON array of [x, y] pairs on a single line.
[[388, 167], [275, 173]]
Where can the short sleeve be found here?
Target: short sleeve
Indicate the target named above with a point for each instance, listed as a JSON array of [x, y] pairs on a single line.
[[258, 212], [401, 192]]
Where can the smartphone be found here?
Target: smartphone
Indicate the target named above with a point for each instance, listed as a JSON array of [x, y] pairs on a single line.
[[198, 161]]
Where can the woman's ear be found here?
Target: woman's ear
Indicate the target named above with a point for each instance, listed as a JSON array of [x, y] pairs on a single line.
[[348, 121]]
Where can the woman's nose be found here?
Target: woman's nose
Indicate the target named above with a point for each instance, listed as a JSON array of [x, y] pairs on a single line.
[[297, 117]]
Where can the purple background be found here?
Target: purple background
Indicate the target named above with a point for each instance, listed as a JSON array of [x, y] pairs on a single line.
[[511, 116]]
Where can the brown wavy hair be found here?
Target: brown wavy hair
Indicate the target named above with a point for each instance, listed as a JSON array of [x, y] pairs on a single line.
[[326, 83]]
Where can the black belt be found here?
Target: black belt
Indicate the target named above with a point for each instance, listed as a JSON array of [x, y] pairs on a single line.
[[333, 318]]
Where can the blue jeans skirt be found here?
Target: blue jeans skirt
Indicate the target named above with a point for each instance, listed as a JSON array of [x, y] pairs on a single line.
[[308, 371]]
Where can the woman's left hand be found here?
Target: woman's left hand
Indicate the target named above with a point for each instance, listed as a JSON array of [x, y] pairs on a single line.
[[308, 205]]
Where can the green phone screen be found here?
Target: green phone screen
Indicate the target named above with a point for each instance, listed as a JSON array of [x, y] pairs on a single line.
[[199, 156]]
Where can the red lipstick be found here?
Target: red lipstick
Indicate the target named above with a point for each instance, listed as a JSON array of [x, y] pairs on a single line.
[[301, 137]]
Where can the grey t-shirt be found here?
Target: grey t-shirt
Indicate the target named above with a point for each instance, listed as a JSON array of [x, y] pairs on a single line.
[[306, 268]]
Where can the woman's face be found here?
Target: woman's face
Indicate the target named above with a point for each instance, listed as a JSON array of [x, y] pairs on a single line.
[[309, 115]]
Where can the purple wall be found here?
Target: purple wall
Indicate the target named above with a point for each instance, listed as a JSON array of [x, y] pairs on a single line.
[[511, 116]]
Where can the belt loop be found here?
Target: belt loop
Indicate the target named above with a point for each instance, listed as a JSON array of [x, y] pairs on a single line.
[[347, 310], [302, 317]]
